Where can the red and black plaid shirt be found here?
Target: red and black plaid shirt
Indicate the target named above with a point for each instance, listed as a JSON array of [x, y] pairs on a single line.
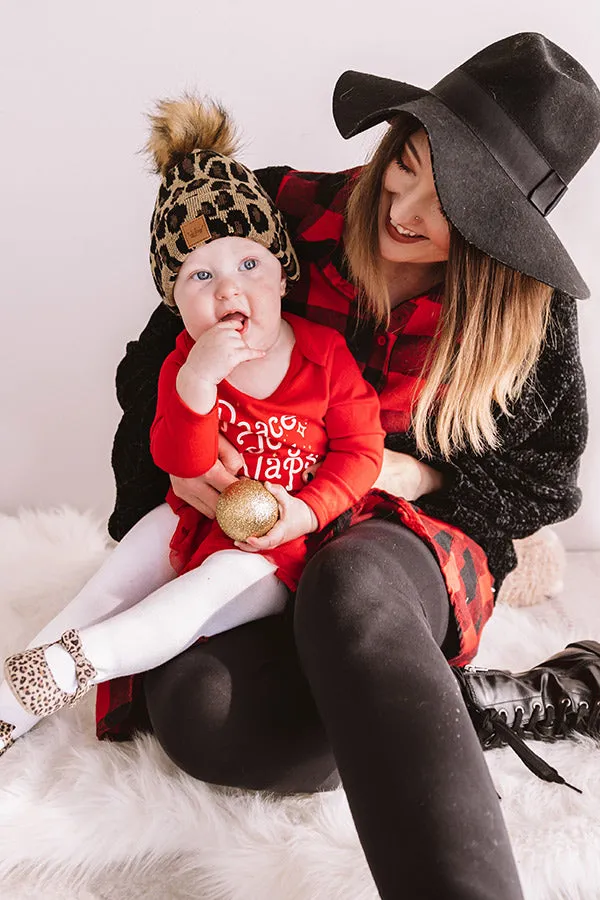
[[486, 500]]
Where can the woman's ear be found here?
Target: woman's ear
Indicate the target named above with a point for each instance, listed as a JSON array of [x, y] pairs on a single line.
[[283, 285]]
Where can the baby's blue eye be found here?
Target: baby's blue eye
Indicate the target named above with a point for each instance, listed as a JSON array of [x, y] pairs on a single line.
[[201, 276], [249, 264]]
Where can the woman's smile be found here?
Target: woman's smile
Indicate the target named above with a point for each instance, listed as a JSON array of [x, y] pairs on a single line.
[[403, 235]]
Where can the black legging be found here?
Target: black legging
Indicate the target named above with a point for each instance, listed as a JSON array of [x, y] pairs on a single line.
[[361, 654]]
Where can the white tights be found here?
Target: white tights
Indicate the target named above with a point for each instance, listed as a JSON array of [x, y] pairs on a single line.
[[133, 615]]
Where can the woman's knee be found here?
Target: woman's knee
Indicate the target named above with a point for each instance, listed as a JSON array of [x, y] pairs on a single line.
[[349, 569], [188, 701], [237, 711], [375, 576]]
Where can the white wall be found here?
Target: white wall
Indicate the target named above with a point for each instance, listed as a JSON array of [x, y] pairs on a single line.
[[76, 195]]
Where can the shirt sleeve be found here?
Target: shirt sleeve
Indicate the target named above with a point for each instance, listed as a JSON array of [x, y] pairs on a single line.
[[270, 178], [355, 440], [531, 480], [183, 442]]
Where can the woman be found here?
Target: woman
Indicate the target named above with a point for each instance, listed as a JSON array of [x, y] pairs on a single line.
[[456, 297]]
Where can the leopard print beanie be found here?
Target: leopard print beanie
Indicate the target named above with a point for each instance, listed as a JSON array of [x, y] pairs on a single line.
[[205, 194]]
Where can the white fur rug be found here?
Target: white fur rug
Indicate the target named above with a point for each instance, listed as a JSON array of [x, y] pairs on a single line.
[[80, 819]]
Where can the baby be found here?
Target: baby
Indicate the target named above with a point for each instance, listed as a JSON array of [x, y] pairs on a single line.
[[287, 394]]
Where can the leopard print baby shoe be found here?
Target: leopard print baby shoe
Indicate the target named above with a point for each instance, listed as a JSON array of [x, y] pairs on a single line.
[[29, 677], [6, 731]]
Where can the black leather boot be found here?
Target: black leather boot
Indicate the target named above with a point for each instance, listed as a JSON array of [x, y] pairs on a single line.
[[553, 700]]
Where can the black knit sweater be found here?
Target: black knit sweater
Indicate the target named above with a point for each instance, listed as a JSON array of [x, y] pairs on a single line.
[[530, 481]]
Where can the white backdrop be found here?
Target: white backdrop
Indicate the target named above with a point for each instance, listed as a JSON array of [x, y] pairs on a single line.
[[77, 196]]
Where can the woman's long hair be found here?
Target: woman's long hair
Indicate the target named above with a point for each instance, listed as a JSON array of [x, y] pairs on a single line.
[[491, 328]]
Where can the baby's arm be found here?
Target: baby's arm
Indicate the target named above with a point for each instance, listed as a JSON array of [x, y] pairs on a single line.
[[355, 441], [183, 442], [184, 438], [351, 465]]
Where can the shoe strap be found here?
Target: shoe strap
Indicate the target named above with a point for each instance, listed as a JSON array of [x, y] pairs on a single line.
[[84, 670]]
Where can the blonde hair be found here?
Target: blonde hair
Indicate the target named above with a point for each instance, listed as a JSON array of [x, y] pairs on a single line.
[[492, 323]]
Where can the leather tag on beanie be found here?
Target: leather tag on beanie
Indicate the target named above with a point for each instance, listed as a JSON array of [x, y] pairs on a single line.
[[195, 232]]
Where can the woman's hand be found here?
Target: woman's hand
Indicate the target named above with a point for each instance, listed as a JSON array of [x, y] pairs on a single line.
[[404, 476], [203, 492], [296, 519]]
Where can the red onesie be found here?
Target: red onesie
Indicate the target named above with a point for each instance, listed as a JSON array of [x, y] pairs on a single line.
[[323, 411]]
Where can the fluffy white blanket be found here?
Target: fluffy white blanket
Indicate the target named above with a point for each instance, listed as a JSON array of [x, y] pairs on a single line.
[[79, 819]]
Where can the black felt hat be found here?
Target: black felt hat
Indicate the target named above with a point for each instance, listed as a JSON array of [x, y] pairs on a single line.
[[508, 130]]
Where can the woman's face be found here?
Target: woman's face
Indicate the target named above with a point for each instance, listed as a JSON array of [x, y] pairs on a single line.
[[412, 226]]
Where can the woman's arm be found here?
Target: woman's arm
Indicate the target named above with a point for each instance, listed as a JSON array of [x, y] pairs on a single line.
[[270, 178], [405, 476], [517, 491], [140, 485], [531, 480]]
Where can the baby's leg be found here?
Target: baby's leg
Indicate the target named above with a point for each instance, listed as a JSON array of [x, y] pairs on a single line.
[[230, 588], [138, 565]]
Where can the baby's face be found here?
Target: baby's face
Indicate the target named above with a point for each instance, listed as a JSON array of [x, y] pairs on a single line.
[[232, 277]]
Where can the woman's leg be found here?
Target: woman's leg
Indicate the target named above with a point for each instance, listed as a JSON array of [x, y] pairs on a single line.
[[238, 711], [371, 616], [138, 565]]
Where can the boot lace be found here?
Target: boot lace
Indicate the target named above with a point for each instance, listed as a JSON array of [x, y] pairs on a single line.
[[494, 731]]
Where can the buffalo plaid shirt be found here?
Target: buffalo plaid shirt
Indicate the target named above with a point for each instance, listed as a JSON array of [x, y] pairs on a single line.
[[493, 498], [486, 500]]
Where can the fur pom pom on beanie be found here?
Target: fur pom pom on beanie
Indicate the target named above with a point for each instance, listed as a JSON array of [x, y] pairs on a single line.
[[205, 194], [179, 127]]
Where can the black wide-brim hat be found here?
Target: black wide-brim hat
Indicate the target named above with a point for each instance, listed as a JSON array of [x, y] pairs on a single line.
[[508, 130]]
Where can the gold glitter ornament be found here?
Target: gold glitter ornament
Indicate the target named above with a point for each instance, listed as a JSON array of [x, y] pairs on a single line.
[[246, 509]]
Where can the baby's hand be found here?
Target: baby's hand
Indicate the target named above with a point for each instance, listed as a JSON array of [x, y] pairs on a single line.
[[296, 519], [219, 351]]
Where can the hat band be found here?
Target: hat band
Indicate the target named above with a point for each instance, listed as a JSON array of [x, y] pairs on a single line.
[[510, 146]]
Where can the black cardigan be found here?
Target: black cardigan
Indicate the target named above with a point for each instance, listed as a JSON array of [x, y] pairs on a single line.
[[530, 481]]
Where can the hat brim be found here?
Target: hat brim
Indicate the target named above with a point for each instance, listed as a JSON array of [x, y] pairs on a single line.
[[478, 196]]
